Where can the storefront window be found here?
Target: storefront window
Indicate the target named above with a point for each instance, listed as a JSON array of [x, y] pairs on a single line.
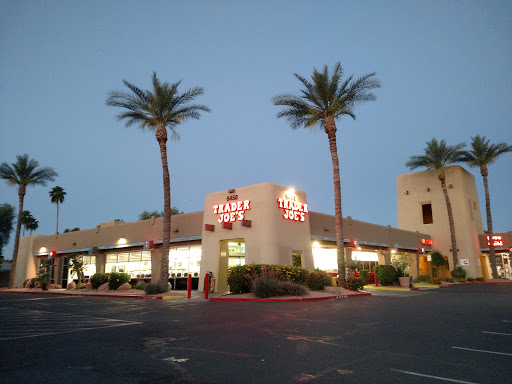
[[184, 260], [134, 263], [89, 268]]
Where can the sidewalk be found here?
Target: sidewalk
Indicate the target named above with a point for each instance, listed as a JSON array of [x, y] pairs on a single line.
[[170, 295]]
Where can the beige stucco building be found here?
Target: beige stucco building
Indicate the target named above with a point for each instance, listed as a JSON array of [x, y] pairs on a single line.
[[259, 224], [421, 206]]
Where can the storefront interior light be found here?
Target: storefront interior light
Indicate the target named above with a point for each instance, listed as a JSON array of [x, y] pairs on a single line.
[[121, 241]]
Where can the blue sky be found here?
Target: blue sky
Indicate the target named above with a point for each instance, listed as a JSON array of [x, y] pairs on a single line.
[[446, 70]]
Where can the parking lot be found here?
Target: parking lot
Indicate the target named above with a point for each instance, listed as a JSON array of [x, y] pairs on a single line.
[[458, 335]]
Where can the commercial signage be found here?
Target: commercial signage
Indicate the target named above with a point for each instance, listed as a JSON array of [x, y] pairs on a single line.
[[230, 212], [497, 241], [426, 241], [293, 210], [464, 262]]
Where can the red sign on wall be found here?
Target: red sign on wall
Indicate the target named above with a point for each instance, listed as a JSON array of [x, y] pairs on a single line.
[[426, 241], [293, 210], [230, 212], [497, 241]]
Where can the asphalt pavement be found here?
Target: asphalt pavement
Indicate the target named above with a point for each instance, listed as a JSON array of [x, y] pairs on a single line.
[[458, 335]]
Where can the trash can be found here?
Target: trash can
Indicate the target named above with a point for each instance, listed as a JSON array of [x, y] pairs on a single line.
[[212, 284]]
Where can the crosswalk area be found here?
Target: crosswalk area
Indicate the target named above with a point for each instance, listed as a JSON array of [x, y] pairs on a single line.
[[19, 323]]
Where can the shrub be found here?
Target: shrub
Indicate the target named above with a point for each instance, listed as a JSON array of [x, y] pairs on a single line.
[[238, 283], [479, 279], [293, 289], [139, 285], [386, 274], [448, 280], [316, 280], [353, 283], [33, 282], [99, 279], [265, 287], [458, 273], [461, 280], [422, 279], [155, 288], [117, 279], [436, 280], [470, 279], [25, 282], [363, 274]]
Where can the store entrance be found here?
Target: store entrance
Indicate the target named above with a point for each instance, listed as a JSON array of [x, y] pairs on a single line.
[[231, 253]]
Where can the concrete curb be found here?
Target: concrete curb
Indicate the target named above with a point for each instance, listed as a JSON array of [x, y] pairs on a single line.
[[281, 300], [388, 288], [145, 297], [475, 282]]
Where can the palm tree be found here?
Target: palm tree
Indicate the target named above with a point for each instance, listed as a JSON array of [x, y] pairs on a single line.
[[26, 219], [22, 173], [157, 110], [481, 155], [57, 196], [437, 156], [33, 225], [321, 102], [6, 220]]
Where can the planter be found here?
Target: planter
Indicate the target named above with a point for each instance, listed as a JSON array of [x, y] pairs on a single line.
[[405, 282]]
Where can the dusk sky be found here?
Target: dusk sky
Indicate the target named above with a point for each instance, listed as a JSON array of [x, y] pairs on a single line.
[[445, 68]]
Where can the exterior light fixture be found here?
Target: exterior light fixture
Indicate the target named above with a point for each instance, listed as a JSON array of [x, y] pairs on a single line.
[[43, 250], [428, 189], [406, 192], [316, 244], [121, 241], [450, 186]]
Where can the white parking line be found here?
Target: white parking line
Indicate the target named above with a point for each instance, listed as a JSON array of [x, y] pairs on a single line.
[[484, 351], [507, 321], [498, 333], [434, 377]]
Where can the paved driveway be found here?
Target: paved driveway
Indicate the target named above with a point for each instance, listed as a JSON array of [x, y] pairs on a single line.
[[457, 335]]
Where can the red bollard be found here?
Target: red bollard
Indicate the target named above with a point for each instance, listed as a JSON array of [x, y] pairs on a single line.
[[189, 286], [376, 281], [206, 287]]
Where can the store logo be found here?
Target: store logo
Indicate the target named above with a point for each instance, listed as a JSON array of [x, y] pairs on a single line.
[[293, 210], [231, 212], [497, 241], [426, 241]]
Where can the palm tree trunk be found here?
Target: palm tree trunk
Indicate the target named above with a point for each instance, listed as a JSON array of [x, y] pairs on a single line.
[[21, 197], [57, 228], [492, 254], [450, 221], [330, 129], [161, 136]]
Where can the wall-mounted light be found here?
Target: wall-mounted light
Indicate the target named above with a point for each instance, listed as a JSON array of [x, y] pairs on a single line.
[[450, 186], [232, 190], [121, 241], [316, 244], [428, 189], [43, 250], [406, 192]]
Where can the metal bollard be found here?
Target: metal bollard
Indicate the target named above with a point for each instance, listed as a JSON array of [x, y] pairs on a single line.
[[206, 287], [376, 281], [189, 286]]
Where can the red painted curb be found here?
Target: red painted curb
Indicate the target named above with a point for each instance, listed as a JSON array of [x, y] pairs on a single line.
[[289, 300]]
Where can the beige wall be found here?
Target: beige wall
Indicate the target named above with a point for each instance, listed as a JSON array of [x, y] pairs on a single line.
[[26, 265], [270, 239], [415, 189]]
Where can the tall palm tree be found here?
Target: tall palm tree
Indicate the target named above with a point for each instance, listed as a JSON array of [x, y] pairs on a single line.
[[57, 196], [323, 100], [437, 156], [22, 173], [157, 110], [481, 155]]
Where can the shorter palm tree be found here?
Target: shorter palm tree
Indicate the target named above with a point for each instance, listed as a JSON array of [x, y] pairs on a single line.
[[57, 196], [22, 173], [437, 156], [481, 155], [26, 220]]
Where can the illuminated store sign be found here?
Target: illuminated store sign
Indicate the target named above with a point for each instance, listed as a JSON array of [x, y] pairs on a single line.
[[497, 241], [293, 210], [426, 241], [231, 212]]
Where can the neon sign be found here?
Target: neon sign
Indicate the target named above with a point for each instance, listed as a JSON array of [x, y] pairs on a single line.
[[426, 241], [231, 212], [497, 241], [293, 210]]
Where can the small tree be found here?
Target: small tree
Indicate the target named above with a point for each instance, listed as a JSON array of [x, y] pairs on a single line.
[[43, 277], [437, 261], [401, 262], [76, 265]]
